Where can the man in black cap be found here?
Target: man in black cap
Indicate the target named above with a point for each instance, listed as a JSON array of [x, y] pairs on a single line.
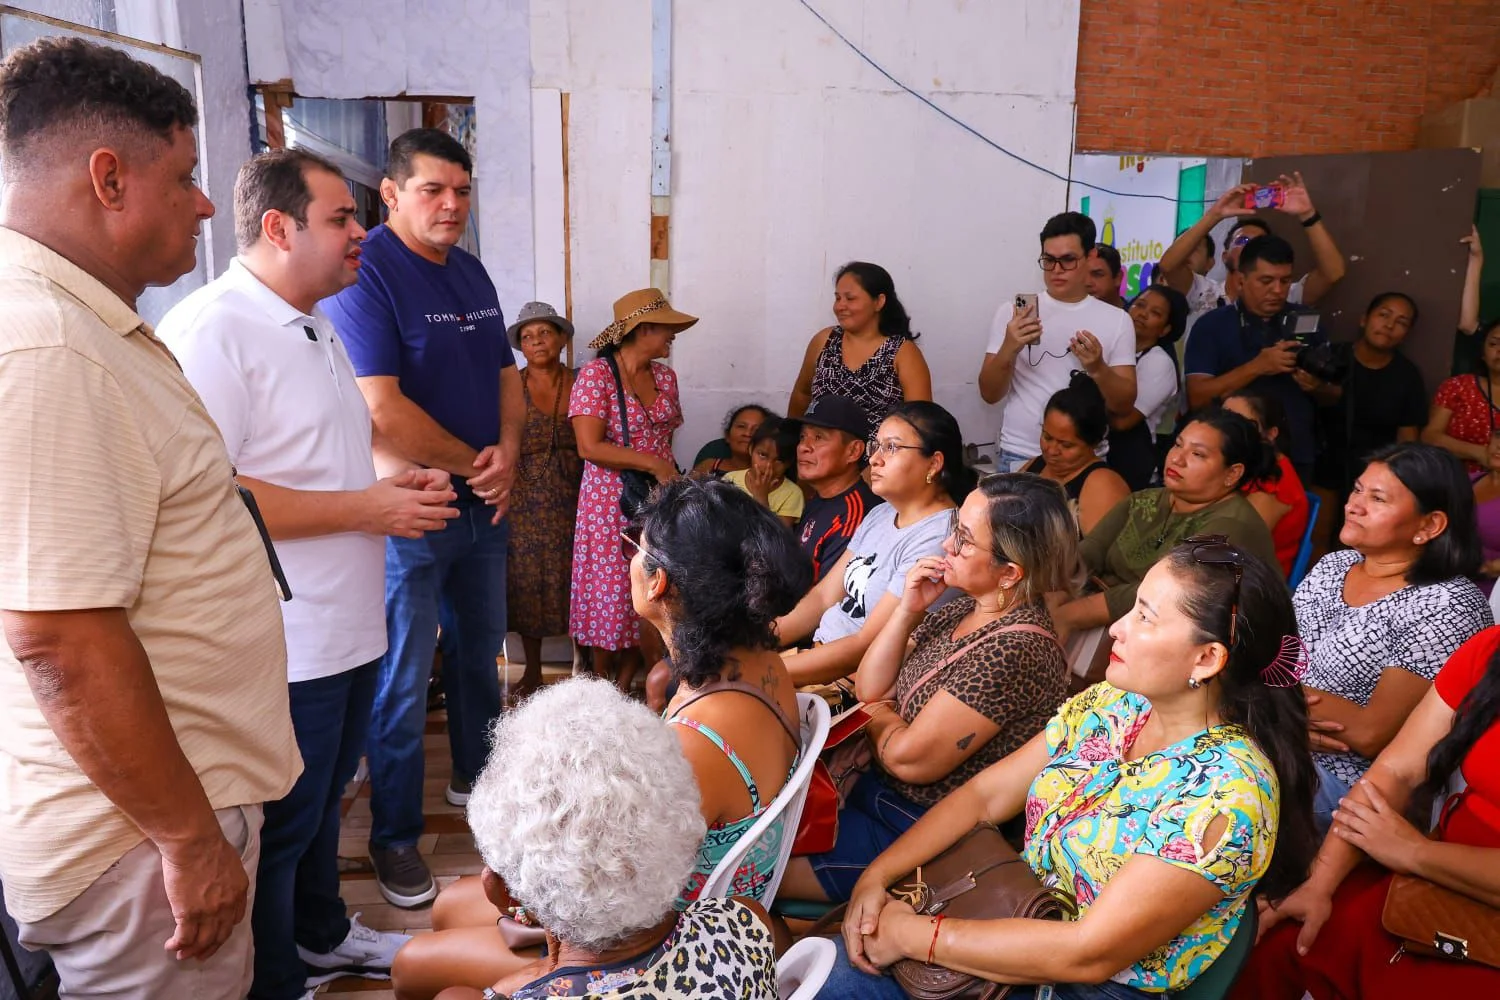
[[830, 462]]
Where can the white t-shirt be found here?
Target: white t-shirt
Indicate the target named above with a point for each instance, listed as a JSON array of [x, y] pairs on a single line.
[[1045, 367], [1156, 386], [291, 414]]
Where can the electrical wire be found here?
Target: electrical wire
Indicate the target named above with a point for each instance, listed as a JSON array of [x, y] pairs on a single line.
[[971, 129]]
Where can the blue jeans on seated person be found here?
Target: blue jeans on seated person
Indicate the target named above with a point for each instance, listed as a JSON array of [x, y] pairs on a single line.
[[462, 565], [846, 982], [1326, 797], [297, 898], [872, 819]]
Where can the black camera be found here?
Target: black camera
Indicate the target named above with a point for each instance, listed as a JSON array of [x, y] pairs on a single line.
[[1325, 362]]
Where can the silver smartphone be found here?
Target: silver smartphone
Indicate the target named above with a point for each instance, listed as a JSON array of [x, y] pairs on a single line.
[[1025, 301]]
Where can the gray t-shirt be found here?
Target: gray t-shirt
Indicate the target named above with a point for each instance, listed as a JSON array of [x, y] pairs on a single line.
[[880, 556]]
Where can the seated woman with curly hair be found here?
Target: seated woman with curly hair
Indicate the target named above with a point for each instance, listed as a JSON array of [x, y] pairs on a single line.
[[711, 569], [593, 836], [1160, 799]]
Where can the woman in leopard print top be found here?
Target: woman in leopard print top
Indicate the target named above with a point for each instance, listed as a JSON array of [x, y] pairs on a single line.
[[956, 690]]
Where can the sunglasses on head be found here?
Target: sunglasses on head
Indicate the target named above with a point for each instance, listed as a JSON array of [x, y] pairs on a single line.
[[1215, 550]]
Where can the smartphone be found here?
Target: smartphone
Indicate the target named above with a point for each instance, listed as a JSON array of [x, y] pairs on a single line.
[[1266, 196], [1025, 301]]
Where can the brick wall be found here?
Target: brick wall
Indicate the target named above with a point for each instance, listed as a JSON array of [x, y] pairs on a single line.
[[1267, 77]]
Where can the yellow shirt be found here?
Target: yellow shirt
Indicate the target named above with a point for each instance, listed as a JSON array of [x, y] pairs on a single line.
[[786, 499], [119, 495]]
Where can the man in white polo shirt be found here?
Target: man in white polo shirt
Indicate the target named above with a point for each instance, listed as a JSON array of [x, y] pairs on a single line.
[[1034, 351], [277, 381]]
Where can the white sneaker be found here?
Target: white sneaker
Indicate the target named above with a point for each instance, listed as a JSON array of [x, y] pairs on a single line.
[[365, 952]]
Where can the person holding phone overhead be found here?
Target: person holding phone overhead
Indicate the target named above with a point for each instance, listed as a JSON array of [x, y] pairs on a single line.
[[1038, 341], [1262, 341]]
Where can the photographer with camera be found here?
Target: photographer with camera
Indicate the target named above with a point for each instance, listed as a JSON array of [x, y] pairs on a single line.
[[1260, 342]]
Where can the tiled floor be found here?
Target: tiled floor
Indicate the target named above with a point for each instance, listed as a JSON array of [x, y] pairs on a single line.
[[446, 845]]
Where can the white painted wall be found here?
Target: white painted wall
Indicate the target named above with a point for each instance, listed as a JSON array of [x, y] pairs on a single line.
[[452, 48], [791, 156]]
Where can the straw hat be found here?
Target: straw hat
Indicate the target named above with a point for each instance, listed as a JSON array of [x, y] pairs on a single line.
[[646, 305], [537, 312]]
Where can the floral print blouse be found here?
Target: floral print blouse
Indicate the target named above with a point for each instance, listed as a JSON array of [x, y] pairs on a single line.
[[1090, 810]]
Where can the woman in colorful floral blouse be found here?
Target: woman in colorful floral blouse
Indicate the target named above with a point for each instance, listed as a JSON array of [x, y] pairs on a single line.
[[1160, 799]]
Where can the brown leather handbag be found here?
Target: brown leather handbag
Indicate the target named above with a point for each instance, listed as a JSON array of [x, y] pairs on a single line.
[[979, 878], [1440, 923]]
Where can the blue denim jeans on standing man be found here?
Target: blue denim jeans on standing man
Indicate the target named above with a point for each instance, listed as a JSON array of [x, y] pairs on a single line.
[[464, 564], [297, 898]]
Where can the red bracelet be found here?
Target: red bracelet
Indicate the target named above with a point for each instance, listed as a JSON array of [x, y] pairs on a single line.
[[937, 925]]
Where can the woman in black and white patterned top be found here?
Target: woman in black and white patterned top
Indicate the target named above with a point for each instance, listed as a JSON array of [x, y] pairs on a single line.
[[1381, 617]]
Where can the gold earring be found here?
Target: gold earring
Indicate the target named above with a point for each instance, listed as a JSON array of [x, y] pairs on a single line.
[[929, 478]]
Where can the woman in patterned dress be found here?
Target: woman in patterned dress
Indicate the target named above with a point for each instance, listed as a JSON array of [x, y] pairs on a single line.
[[593, 836], [1381, 617], [544, 500], [871, 356], [601, 615], [1160, 799]]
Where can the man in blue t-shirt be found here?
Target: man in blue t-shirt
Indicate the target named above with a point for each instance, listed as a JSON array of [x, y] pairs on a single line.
[[1254, 342], [424, 330]]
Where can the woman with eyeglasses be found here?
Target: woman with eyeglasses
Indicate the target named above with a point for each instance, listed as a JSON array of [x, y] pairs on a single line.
[[955, 690], [1160, 799], [711, 569], [1382, 616], [1216, 453], [917, 468]]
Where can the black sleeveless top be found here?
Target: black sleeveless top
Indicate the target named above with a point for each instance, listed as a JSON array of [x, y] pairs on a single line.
[[1073, 488]]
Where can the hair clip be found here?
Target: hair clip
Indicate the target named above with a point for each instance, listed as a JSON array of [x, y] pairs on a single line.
[[1290, 665]]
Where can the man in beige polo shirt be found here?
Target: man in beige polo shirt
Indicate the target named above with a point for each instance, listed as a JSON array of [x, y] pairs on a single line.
[[143, 697]]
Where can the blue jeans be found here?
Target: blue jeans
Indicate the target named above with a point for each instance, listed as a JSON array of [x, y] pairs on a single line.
[[297, 884], [464, 565], [1326, 797], [873, 818], [1010, 461], [846, 982]]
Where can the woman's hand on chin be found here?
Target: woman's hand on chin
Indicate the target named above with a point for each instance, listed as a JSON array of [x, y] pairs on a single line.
[[924, 584]]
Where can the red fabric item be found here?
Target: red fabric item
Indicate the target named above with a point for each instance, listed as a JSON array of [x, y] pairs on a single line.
[[1287, 535], [1350, 960], [1472, 416]]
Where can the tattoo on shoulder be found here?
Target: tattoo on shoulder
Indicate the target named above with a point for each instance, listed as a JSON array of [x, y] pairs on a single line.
[[963, 744], [768, 680]]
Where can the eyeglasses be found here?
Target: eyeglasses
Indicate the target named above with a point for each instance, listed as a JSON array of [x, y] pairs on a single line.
[[888, 448], [1067, 262], [1215, 550], [631, 537], [963, 540]]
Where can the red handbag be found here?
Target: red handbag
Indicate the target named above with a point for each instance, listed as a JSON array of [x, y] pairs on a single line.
[[839, 766]]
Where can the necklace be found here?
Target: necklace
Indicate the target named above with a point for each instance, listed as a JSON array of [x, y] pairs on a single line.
[[1166, 524]]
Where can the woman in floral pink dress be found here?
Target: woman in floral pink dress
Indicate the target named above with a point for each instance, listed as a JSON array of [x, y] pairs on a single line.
[[645, 325]]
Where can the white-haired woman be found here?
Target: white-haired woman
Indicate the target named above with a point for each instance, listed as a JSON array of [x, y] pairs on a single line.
[[594, 836]]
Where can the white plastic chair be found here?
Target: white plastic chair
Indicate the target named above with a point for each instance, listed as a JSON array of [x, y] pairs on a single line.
[[803, 970], [784, 812]]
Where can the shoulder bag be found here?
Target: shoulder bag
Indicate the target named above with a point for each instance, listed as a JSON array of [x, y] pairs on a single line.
[[635, 485]]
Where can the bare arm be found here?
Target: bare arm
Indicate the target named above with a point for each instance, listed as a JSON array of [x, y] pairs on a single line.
[[841, 657], [1146, 904], [878, 668], [399, 506], [1436, 433], [1117, 383], [802, 390], [410, 431], [1268, 507], [93, 683], [1468, 310], [1368, 730], [1329, 267], [802, 621], [1023, 329], [593, 448], [944, 734], [1174, 263], [1104, 489], [912, 370]]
